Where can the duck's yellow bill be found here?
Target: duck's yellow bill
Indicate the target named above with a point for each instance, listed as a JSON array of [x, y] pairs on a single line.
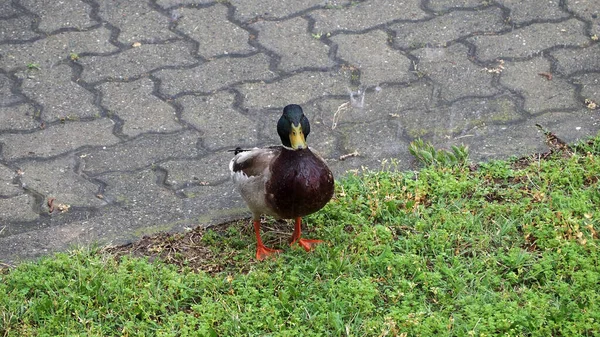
[[297, 138]]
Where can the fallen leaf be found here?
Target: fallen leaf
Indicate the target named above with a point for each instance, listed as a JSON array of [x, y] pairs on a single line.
[[51, 204], [548, 76]]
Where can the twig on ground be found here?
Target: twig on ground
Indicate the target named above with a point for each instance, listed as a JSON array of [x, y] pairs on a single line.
[[346, 156]]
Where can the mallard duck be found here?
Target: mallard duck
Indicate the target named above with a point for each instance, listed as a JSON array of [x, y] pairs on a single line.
[[286, 182]]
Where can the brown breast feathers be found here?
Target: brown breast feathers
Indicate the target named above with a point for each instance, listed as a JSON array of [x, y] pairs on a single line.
[[300, 184]]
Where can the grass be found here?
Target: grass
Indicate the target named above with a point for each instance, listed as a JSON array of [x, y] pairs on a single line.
[[500, 248]]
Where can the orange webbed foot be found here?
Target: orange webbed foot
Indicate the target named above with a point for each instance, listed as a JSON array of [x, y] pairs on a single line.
[[308, 244], [263, 252]]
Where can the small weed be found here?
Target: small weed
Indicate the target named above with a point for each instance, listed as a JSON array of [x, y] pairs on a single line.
[[319, 35], [33, 66], [74, 56], [429, 156]]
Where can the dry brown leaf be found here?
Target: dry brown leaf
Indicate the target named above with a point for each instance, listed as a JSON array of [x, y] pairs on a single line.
[[548, 76]]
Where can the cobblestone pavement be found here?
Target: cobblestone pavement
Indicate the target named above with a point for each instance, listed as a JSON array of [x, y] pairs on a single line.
[[122, 110]]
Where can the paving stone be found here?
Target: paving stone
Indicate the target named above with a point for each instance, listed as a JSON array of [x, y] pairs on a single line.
[[55, 15], [137, 21], [527, 11], [148, 203], [221, 125], [53, 88], [208, 204], [246, 10], [444, 5], [7, 187], [590, 86], [208, 170], [140, 110], [7, 10], [461, 117], [16, 28], [415, 110], [578, 60], [364, 15], [57, 178], [540, 93], [54, 49], [214, 33], [216, 74], [530, 40], [381, 64], [330, 112], [18, 117], [570, 126], [7, 97], [16, 209], [306, 51], [57, 139], [483, 141], [323, 110], [35, 241], [397, 106], [523, 139], [202, 206], [114, 227], [388, 102], [453, 72], [143, 193], [374, 141], [588, 10], [171, 3], [298, 89], [138, 61], [442, 29], [140, 152]]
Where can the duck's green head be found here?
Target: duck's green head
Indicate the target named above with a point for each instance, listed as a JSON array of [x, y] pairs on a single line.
[[293, 127]]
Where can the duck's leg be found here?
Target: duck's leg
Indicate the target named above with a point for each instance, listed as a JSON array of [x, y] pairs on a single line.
[[307, 244], [261, 251]]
